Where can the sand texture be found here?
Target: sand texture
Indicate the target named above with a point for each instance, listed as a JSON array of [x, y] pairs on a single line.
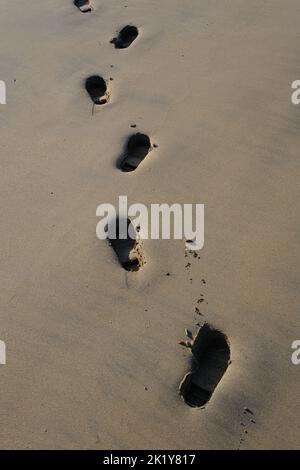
[[93, 353]]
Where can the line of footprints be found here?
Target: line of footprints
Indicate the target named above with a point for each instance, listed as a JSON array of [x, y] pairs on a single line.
[[210, 348]]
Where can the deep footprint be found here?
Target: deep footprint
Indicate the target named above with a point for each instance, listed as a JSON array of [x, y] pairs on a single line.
[[125, 37], [211, 358], [129, 251], [138, 147], [83, 5], [97, 89]]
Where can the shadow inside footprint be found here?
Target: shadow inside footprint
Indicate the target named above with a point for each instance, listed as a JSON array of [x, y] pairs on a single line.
[[125, 37], [138, 147], [97, 89], [83, 5], [128, 250], [211, 358]]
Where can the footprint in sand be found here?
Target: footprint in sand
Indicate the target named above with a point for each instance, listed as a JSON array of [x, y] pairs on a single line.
[[211, 357], [125, 37], [129, 251], [83, 5], [138, 147], [97, 89]]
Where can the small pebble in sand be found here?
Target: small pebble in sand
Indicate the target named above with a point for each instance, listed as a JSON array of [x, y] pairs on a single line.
[[197, 311]]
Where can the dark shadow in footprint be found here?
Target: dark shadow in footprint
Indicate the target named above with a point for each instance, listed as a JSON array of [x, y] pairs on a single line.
[[211, 358], [97, 89], [125, 37], [129, 251], [83, 5], [137, 148]]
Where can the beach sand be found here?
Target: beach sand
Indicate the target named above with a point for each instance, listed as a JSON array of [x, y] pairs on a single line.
[[93, 359]]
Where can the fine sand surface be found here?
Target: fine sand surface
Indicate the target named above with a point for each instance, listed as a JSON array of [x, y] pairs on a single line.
[[93, 359]]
